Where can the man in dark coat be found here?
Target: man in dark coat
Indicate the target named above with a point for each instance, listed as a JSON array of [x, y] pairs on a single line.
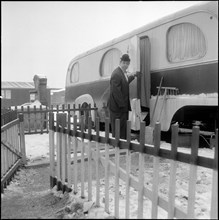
[[119, 102]]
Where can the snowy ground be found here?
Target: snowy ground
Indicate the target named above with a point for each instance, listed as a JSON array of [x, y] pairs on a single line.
[[37, 149]]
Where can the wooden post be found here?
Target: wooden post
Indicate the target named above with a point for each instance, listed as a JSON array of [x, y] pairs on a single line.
[[51, 150], [89, 160], [155, 171], [75, 155], [97, 162], [95, 113], [141, 171], [214, 196], [35, 119], [193, 172], [2, 167], [82, 157], [74, 110], [89, 111], [128, 169], [117, 128], [17, 136], [173, 166], [10, 142], [107, 165], [69, 174], [58, 143], [64, 151], [6, 153], [46, 120], [28, 116], [3, 163], [22, 138], [13, 136], [41, 119], [7, 160]]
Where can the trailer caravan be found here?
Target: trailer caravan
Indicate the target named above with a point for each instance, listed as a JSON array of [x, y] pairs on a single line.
[[181, 49]]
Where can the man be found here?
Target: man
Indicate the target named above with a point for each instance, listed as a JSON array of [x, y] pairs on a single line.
[[119, 103]]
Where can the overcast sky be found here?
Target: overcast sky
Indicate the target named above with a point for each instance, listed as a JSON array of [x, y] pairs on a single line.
[[43, 37]]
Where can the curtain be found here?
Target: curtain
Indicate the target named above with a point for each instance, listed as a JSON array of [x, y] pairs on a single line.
[[110, 62], [184, 42], [145, 81]]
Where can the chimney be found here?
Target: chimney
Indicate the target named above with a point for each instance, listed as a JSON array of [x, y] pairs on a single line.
[[40, 83]]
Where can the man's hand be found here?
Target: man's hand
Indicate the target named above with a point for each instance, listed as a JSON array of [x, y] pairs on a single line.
[[137, 74]]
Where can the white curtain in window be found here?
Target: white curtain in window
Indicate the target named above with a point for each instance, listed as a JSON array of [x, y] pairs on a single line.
[[184, 42], [110, 62]]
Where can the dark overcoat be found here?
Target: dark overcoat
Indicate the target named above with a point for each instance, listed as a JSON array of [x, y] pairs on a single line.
[[119, 92]]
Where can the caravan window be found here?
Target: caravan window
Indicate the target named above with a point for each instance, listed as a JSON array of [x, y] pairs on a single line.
[[185, 41], [74, 75], [110, 61]]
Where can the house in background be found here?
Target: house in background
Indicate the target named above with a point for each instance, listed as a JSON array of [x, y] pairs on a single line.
[[15, 93], [18, 93]]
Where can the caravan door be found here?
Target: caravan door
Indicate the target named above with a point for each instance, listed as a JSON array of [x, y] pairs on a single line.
[[144, 82]]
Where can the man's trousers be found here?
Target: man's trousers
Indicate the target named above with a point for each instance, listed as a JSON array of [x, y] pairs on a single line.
[[123, 116]]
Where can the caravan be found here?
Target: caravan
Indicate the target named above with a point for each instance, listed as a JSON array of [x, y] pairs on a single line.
[[178, 58]]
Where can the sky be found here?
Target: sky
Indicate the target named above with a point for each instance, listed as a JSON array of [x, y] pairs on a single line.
[[42, 37]]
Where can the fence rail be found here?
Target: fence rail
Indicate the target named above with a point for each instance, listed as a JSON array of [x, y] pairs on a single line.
[[13, 153], [63, 140], [36, 118]]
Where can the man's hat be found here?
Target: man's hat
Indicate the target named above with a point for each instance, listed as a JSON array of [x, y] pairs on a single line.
[[125, 57]]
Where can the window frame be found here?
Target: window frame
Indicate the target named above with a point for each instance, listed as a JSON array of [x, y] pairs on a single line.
[[71, 69], [102, 59], [187, 59]]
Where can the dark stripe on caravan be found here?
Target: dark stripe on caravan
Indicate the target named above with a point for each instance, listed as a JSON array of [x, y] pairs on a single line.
[[189, 80]]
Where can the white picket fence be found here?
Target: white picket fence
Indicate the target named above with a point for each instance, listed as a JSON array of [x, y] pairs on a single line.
[[64, 139]]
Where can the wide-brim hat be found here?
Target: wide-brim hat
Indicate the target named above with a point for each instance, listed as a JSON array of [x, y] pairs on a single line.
[[125, 57]]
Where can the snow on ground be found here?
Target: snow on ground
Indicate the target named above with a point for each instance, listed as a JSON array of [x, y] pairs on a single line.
[[37, 148]]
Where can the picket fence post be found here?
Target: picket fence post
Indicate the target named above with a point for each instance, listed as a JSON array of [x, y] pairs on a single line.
[[82, 156], [141, 171], [193, 172], [89, 161], [69, 144], [107, 165], [52, 150], [214, 195], [173, 166], [117, 136], [75, 155], [58, 157], [22, 138], [63, 150], [97, 162], [128, 169], [155, 182]]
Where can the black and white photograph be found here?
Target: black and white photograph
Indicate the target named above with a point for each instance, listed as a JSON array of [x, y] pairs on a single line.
[[109, 109]]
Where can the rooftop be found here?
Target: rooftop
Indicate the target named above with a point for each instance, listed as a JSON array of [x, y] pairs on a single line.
[[20, 85], [17, 85]]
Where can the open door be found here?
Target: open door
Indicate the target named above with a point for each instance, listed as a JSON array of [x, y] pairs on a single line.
[[144, 82]]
